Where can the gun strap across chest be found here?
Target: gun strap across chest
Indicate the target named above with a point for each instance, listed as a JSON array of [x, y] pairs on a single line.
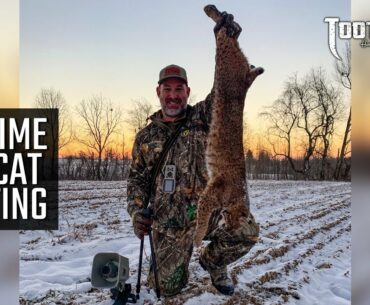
[[165, 149]]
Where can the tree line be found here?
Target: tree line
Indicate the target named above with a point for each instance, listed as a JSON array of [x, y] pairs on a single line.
[[303, 122], [301, 127], [98, 128], [262, 165]]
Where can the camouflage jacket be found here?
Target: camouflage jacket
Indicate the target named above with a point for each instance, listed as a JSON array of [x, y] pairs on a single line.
[[178, 209]]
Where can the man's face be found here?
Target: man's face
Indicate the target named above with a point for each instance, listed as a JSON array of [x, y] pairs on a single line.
[[173, 95]]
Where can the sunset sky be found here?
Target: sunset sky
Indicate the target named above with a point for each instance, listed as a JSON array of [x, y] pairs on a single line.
[[116, 48]]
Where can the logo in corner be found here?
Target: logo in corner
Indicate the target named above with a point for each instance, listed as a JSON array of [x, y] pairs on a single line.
[[346, 30]]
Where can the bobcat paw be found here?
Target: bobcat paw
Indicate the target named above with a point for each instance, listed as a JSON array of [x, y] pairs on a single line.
[[253, 73], [233, 29]]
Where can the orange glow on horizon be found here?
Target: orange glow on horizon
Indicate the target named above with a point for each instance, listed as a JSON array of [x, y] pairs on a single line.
[[74, 148], [261, 144]]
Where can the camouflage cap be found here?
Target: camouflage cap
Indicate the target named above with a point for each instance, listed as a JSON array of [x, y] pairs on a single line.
[[172, 71]]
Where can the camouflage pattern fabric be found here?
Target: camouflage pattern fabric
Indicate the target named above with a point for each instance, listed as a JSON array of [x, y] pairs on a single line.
[[174, 215], [228, 244]]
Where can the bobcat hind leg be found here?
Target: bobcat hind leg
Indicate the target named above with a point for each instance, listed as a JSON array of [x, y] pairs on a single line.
[[209, 201]]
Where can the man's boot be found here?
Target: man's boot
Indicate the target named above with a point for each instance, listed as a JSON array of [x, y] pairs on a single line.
[[219, 278]]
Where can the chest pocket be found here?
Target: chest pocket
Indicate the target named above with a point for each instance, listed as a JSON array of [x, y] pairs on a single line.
[[151, 151]]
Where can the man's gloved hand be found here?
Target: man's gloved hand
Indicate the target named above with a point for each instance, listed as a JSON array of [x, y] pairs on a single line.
[[141, 224], [223, 19]]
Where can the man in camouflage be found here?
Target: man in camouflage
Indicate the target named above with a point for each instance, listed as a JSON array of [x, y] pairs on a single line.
[[174, 213]]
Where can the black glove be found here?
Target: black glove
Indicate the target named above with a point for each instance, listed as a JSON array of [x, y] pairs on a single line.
[[233, 29], [141, 223]]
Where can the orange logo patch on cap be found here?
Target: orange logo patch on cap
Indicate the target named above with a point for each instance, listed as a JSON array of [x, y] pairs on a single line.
[[172, 70]]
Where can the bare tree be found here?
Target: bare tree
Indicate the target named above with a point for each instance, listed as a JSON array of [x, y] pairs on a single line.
[[53, 99], [329, 111], [343, 67], [122, 156], [283, 116], [307, 110], [59, 127], [250, 136], [249, 163], [139, 113], [99, 121], [125, 160], [307, 121], [343, 74]]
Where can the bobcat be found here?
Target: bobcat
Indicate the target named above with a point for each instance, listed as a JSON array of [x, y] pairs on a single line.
[[225, 156]]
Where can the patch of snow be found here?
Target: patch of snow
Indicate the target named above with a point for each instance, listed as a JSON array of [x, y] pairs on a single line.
[[302, 257]]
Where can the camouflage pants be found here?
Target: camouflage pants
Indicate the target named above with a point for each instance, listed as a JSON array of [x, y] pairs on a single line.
[[174, 247]]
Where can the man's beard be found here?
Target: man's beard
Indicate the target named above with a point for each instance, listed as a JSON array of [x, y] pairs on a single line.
[[173, 112]]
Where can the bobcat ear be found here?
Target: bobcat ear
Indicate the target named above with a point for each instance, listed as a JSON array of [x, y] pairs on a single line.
[[253, 73]]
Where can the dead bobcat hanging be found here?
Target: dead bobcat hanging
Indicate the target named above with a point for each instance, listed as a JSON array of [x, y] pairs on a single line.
[[225, 156]]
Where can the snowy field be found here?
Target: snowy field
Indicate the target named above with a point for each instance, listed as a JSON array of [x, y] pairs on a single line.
[[303, 256]]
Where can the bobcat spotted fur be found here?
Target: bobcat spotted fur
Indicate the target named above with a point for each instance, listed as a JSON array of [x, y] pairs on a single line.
[[225, 156]]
